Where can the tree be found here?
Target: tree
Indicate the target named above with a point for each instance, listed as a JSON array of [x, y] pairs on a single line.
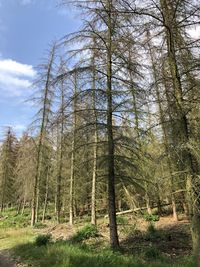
[[25, 169], [7, 168], [45, 83]]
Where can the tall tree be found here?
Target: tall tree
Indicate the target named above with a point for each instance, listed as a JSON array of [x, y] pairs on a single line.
[[8, 156], [45, 84]]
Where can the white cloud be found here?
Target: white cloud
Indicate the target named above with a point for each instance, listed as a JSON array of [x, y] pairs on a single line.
[[16, 68], [15, 76], [21, 2], [26, 2]]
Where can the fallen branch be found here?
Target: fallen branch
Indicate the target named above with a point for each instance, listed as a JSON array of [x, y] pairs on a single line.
[[135, 210]]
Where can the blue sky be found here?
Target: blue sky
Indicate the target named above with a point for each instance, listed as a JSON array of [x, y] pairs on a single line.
[[26, 29]]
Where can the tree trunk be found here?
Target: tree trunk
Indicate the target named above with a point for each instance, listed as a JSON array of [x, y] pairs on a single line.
[[45, 111], [60, 168], [71, 191], [164, 130], [111, 161], [46, 196], [195, 227], [149, 210], [19, 207], [95, 148], [94, 176], [184, 135], [23, 206]]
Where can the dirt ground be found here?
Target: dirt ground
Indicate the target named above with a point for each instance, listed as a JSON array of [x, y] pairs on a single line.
[[7, 261]]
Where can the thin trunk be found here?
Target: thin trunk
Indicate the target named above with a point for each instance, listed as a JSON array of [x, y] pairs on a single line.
[[2, 197], [71, 191], [46, 196], [94, 176], [95, 148], [36, 189], [60, 168], [23, 206], [111, 150], [148, 203], [19, 207], [159, 204]]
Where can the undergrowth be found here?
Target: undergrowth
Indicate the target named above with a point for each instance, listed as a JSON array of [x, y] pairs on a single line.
[[88, 231], [63, 254], [10, 220], [43, 240], [152, 233]]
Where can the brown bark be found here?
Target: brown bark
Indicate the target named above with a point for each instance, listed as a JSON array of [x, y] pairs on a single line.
[[183, 128], [46, 195], [111, 150], [164, 130], [95, 148], [61, 149], [71, 191]]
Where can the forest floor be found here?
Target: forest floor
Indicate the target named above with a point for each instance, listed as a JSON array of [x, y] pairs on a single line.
[[170, 238], [166, 243]]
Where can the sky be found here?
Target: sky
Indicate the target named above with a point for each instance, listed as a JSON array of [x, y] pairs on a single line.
[[27, 27]]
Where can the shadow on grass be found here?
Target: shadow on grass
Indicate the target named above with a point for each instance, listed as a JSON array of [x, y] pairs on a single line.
[[174, 242]]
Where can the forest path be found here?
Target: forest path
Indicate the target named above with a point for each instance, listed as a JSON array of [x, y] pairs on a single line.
[[7, 261]]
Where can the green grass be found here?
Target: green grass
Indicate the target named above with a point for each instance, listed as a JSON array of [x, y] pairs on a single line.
[[63, 254], [12, 220], [85, 233], [10, 238], [66, 254], [22, 241]]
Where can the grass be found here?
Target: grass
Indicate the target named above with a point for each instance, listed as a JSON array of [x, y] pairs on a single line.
[[87, 232], [64, 254], [22, 241], [10, 238], [12, 220]]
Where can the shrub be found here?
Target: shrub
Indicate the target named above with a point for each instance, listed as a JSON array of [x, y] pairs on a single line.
[[122, 220], [42, 240], [14, 221], [151, 217], [39, 225], [86, 232]]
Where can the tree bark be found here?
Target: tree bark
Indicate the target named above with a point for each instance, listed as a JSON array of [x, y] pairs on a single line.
[[111, 150], [164, 130], [71, 191], [184, 135], [60, 167], [46, 196], [95, 148]]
